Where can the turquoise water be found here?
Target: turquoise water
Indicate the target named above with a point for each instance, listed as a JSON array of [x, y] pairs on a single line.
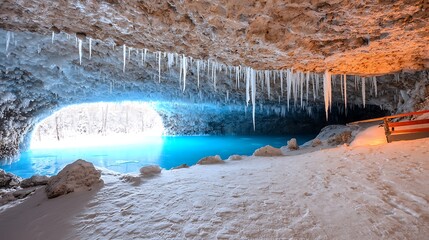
[[167, 152]]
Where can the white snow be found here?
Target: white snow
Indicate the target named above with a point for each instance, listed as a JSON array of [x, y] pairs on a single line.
[[356, 192]]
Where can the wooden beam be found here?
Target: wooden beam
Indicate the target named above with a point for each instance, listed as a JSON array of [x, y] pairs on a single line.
[[390, 117], [408, 123], [414, 130]]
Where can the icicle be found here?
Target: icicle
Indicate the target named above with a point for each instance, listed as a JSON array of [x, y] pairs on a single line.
[[125, 57], [363, 91], [289, 86], [90, 48], [80, 51], [342, 89], [142, 60], [317, 84], [281, 83], [314, 88], [7, 40], [184, 64], [53, 37], [267, 81], [374, 79], [327, 92], [253, 86], [159, 67], [198, 73], [301, 84], [247, 86], [345, 93], [144, 56], [307, 80], [227, 95]]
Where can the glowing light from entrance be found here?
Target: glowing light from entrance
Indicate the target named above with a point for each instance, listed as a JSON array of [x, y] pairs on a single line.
[[99, 124]]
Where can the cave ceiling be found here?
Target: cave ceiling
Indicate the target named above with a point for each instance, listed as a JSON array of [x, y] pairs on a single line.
[[344, 37]]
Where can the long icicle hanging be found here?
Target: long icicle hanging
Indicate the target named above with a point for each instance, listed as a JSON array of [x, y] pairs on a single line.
[[289, 86], [159, 67], [345, 93], [327, 92], [80, 51], [184, 65], [124, 57], [90, 48], [247, 86], [198, 73], [253, 86], [363, 91], [281, 83], [374, 79]]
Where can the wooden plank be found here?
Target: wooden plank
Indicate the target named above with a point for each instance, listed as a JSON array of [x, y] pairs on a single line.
[[414, 130], [390, 117], [408, 123], [408, 114]]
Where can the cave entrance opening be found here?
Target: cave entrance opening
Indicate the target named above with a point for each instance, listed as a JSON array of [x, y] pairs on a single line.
[[98, 124]]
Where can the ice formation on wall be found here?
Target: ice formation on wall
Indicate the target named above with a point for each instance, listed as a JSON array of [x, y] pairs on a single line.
[[294, 85]]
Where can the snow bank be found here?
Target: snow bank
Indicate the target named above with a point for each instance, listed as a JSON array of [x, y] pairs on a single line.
[[235, 157]]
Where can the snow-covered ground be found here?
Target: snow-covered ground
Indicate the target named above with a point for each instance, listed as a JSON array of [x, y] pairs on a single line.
[[363, 191]]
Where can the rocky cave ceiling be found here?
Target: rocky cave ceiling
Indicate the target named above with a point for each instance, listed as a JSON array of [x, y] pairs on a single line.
[[344, 37]]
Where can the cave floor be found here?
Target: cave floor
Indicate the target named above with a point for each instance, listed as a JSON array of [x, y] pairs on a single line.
[[356, 192]]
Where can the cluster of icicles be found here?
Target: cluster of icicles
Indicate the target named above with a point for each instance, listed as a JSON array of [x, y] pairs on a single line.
[[292, 82]]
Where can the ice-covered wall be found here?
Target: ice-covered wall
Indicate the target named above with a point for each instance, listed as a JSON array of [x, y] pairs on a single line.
[[40, 74]]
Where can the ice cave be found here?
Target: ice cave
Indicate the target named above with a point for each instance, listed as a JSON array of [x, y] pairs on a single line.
[[214, 119]]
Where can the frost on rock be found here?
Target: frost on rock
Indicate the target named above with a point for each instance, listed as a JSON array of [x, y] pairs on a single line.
[[316, 142], [210, 160], [150, 170], [268, 151], [77, 176], [181, 166], [235, 157], [292, 144]]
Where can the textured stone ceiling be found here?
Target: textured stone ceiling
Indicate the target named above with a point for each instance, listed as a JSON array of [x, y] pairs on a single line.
[[353, 37]]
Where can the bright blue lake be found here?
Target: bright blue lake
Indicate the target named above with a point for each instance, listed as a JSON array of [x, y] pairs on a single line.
[[167, 152]]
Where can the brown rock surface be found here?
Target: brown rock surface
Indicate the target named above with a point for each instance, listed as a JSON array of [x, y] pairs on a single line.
[[353, 37]]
